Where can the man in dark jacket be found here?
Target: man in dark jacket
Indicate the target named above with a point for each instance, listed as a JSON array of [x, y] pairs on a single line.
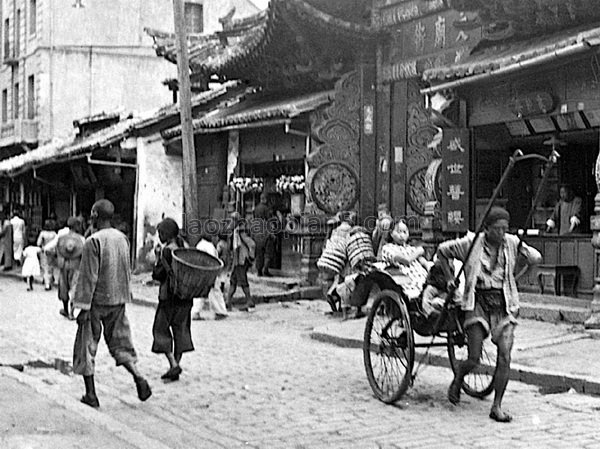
[[263, 236]]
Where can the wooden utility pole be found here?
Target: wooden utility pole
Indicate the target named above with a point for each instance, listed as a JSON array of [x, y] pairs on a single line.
[[190, 181]]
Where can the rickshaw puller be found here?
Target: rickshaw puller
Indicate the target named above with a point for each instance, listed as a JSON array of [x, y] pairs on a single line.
[[490, 300]]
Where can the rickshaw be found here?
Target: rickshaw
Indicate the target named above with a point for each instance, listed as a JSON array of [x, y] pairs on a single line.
[[389, 337]]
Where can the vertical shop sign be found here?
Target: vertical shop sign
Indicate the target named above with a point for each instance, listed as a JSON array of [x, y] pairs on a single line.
[[455, 180], [368, 119]]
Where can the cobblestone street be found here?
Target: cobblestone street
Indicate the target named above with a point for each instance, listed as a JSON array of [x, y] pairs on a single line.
[[257, 380]]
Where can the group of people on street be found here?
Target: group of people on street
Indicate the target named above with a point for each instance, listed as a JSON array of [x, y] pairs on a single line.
[[55, 256], [95, 277]]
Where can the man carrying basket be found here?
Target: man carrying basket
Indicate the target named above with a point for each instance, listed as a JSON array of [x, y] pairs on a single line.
[[172, 322]]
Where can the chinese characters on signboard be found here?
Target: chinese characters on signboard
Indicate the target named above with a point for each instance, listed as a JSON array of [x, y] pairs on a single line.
[[455, 180]]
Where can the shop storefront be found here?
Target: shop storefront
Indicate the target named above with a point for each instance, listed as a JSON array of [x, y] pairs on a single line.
[[295, 53], [545, 97], [258, 146]]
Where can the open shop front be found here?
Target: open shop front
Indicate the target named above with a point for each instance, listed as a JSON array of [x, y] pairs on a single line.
[[536, 94], [253, 148], [535, 115], [494, 145], [274, 163]]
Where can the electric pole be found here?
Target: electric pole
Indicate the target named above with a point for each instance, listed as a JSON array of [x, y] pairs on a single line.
[[190, 181]]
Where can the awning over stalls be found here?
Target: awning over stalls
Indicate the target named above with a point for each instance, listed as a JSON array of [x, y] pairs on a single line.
[[74, 148], [503, 59], [63, 151], [292, 46], [256, 111]]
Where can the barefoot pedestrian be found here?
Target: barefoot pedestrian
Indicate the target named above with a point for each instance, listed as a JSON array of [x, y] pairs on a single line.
[[101, 293], [490, 298], [243, 248], [172, 322]]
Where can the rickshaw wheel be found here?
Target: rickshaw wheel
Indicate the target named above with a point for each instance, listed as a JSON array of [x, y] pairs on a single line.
[[479, 383], [388, 347]]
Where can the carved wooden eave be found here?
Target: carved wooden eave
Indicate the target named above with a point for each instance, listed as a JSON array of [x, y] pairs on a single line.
[[290, 46], [504, 19]]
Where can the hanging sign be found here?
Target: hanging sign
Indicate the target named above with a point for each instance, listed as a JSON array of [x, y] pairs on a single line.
[[455, 180], [532, 103]]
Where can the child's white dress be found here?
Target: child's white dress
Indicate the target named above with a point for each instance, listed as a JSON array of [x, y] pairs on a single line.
[[31, 264]]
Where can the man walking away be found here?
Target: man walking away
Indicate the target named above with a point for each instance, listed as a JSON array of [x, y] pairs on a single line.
[[490, 299], [102, 291]]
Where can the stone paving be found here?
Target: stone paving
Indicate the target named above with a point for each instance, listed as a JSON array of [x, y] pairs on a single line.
[[257, 380]]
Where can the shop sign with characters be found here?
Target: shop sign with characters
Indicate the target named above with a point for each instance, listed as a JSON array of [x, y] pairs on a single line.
[[455, 180]]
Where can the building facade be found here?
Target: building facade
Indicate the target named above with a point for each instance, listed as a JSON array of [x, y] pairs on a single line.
[[66, 60]]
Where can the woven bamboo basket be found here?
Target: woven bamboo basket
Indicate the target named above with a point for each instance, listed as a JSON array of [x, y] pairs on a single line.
[[333, 258], [194, 272], [360, 247]]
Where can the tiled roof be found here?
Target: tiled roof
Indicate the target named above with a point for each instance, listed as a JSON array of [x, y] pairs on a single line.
[[73, 148], [502, 55], [506, 18], [64, 150], [257, 108], [235, 47]]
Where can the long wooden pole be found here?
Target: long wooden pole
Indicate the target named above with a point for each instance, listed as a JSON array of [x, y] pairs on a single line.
[[190, 181]]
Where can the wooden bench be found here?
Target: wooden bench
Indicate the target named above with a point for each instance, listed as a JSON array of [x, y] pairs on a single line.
[[561, 275]]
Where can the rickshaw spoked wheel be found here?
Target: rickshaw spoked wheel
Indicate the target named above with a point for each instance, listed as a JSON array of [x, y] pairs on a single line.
[[479, 383], [388, 347]]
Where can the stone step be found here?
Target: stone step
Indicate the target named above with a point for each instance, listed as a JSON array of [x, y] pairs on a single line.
[[554, 313], [277, 281], [567, 301]]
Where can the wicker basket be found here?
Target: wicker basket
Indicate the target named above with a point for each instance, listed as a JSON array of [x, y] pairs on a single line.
[[194, 272], [333, 258], [360, 247]]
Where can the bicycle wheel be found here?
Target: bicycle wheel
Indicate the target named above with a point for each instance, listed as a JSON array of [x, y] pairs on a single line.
[[479, 383], [388, 347]]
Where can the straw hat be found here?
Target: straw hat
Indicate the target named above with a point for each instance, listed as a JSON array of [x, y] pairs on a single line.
[[69, 246]]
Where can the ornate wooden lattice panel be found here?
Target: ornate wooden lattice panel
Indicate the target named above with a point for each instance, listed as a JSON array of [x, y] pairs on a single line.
[[420, 133], [334, 165]]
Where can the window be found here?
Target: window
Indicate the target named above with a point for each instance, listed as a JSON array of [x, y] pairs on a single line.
[[30, 97], [7, 39], [16, 105], [5, 105], [32, 16], [18, 33], [193, 18]]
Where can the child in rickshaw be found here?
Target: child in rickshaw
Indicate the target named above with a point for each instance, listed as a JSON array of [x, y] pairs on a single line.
[[435, 290], [408, 259]]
